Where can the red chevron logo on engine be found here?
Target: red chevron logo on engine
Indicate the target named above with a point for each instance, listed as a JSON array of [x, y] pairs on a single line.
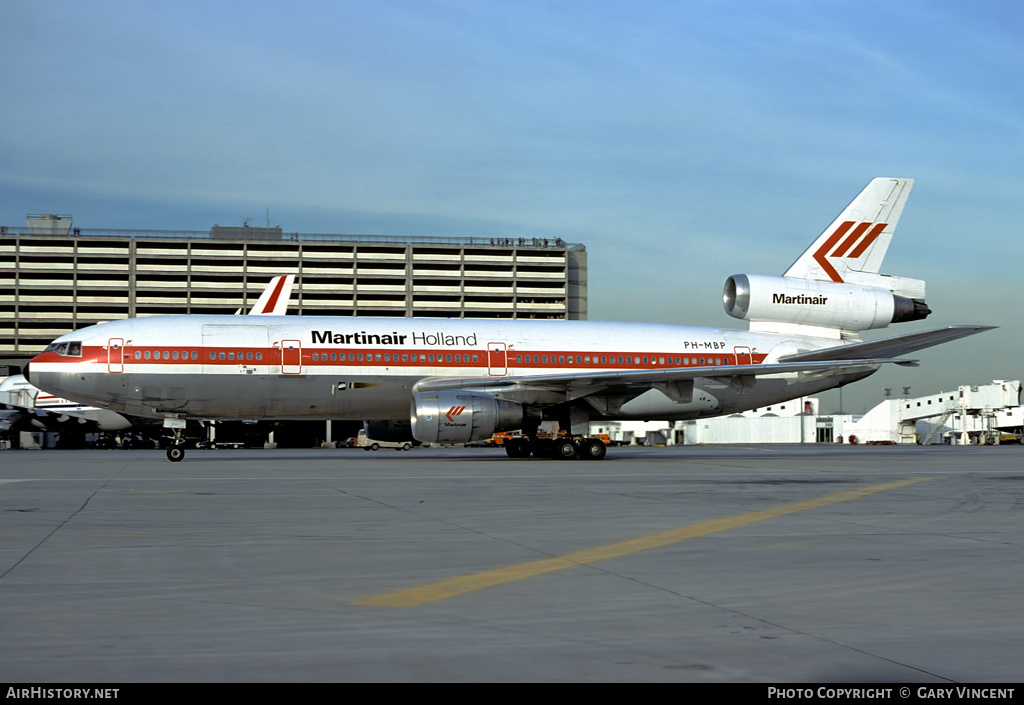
[[851, 239], [454, 411]]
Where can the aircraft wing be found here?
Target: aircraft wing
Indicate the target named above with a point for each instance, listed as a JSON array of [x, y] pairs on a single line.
[[622, 385], [888, 347]]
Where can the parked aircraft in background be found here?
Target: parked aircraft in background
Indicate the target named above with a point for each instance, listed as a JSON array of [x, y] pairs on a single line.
[[460, 380], [23, 407], [275, 297]]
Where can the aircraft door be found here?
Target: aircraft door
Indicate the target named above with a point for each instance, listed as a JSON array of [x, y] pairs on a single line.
[[115, 355], [291, 357], [743, 356], [497, 360]]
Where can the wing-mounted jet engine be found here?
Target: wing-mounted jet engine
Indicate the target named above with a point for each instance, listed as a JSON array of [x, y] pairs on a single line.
[[462, 417]]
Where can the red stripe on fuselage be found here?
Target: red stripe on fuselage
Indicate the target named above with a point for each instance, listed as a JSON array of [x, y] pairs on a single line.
[[272, 356]]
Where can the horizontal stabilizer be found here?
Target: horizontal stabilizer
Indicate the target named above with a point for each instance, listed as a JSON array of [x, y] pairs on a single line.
[[889, 347]]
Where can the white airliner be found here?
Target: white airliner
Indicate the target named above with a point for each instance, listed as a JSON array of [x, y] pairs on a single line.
[[460, 380]]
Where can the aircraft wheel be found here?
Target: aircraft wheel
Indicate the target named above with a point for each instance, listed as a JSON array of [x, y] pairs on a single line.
[[593, 449], [518, 448], [175, 454], [564, 450], [543, 448]]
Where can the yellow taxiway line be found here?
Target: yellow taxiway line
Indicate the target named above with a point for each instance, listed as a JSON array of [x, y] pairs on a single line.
[[453, 587]]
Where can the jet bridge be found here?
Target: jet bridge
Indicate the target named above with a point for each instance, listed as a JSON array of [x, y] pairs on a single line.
[[969, 413]]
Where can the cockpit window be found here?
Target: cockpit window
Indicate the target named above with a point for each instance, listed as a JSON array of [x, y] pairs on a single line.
[[72, 348]]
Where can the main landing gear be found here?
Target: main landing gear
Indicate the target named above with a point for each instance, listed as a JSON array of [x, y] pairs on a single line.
[[565, 448]]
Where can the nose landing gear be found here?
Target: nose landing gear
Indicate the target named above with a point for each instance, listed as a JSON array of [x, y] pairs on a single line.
[[177, 451]]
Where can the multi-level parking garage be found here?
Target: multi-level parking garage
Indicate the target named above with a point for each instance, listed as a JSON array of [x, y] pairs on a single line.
[[55, 278]]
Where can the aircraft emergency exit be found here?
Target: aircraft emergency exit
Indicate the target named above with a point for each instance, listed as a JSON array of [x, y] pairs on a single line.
[[461, 380]]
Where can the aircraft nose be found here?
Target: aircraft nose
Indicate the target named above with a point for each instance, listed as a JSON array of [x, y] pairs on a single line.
[[25, 373]]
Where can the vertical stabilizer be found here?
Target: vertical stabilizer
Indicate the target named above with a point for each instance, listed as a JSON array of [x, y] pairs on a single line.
[[856, 242], [274, 299]]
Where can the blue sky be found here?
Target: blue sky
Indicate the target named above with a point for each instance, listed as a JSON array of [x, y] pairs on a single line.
[[680, 141]]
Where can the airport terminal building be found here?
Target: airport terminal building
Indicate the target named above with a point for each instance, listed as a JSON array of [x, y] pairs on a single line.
[[56, 278]]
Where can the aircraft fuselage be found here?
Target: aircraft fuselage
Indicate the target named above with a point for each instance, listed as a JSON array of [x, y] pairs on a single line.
[[278, 367]]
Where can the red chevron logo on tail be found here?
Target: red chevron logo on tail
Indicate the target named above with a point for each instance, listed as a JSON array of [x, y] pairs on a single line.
[[851, 239]]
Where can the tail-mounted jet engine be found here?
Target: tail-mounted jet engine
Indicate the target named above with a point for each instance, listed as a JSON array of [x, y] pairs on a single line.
[[855, 307], [461, 417]]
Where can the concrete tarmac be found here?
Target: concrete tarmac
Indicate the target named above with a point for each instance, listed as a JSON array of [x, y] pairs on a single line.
[[773, 564]]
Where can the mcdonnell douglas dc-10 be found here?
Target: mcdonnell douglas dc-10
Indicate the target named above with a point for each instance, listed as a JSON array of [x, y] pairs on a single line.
[[462, 380]]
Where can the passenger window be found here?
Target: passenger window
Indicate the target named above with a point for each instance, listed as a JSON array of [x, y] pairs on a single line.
[[146, 354], [138, 355], [174, 355], [220, 355], [259, 355], [248, 356], [231, 356], [195, 355]]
